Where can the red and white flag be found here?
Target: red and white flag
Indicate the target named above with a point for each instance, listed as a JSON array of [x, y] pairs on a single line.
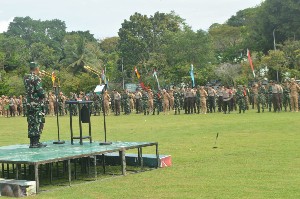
[[250, 61]]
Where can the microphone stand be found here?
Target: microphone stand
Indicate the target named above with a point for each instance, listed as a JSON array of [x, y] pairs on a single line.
[[56, 90], [104, 121]]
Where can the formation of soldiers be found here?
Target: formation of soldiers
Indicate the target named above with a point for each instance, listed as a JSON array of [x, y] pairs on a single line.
[[200, 100], [12, 106]]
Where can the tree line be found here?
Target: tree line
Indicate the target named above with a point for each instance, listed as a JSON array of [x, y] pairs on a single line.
[[163, 42]]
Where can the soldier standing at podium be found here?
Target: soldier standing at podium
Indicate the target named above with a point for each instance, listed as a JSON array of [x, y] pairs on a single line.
[[35, 95]]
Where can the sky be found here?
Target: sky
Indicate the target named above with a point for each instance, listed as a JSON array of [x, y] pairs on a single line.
[[103, 18]]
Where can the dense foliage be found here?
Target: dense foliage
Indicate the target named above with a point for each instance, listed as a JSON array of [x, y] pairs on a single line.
[[162, 42]]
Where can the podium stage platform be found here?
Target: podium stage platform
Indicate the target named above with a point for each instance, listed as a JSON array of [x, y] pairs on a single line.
[[21, 154]]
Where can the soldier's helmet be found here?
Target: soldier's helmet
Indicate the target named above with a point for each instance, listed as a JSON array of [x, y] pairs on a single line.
[[33, 65], [292, 79]]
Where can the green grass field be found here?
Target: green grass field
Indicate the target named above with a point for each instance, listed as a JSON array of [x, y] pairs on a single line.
[[257, 155]]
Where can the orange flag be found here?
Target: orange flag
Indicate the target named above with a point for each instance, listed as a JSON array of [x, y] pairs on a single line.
[[53, 77], [250, 61], [137, 72]]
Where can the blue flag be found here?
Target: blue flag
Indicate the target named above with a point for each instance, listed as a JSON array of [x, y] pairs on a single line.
[[192, 75]]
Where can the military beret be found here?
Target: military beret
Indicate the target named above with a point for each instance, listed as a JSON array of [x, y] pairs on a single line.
[[33, 65]]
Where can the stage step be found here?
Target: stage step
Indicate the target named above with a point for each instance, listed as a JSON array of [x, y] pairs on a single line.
[[17, 188], [149, 160]]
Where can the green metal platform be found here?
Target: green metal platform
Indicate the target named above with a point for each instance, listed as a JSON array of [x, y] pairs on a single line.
[[22, 154]]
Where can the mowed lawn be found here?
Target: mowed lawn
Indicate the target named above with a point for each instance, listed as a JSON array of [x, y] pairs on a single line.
[[257, 155]]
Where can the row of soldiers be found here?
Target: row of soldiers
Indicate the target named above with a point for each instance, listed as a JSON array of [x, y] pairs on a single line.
[[206, 99], [188, 100], [11, 106]]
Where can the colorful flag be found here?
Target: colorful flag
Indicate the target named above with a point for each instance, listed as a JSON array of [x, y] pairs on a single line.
[[155, 75], [250, 61], [137, 73], [192, 75]]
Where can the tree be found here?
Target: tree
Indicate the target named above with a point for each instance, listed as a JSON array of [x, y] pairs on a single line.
[[276, 62], [228, 42], [228, 73], [80, 52], [291, 50], [111, 60], [243, 18], [142, 38], [49, 32], [43, 54], [276, 18], [183, 49], [13, 52]]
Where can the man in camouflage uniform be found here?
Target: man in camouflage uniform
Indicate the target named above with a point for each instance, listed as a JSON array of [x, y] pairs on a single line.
[[61, 104], [198, 103], [112, 102], [35, 95], [286, 96], [261, 98], [145, 102], [96, 104], [176, 95], [270, 97], [126, 102], [240, 97], [73, 108]]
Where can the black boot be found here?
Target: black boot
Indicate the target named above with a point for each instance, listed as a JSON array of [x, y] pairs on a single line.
[[36, 142], [31, 142]]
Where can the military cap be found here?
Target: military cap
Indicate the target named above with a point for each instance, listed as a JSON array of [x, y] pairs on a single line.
[[33, 65]]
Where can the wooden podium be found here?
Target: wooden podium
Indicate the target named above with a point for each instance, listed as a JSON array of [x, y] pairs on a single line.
[[84, 110]]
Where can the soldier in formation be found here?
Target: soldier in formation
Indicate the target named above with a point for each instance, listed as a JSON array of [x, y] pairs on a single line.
[[240, 97], [211, 99], [286, 96], [145, 102], [261, 97], [126, 102], [176, 101]]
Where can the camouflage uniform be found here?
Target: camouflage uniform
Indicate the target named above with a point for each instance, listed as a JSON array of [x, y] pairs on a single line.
[[157, 102], [35, 95], [112, 102], [261, 99], [24, 102], [286, 97], [181, 100], [241, 101], [176, 95], [96, 104], [145, 103], [270, 97], [125, 102]]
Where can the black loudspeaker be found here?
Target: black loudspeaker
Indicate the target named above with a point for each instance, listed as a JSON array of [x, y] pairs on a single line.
[[85, 114]]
